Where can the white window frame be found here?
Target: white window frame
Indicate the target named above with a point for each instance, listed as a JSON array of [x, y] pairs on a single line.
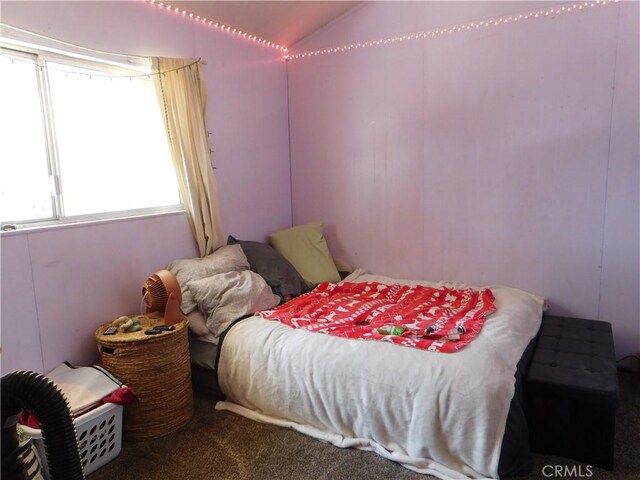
[[41, 55]]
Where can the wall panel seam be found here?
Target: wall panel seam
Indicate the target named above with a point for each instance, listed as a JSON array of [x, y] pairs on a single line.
[[606, 178], [35, 302]]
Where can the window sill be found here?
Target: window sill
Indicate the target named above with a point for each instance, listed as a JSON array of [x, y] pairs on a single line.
[[26, 229]]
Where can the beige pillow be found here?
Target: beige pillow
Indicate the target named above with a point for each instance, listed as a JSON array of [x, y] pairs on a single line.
[[197, 323], [229, 258], [306, 249], [226, 297]]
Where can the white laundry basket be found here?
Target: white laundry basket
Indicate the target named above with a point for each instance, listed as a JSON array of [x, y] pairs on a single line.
[[99, 437]]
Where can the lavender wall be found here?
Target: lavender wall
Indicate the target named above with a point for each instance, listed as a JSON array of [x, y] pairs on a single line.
[[58, 285], [506, 155]]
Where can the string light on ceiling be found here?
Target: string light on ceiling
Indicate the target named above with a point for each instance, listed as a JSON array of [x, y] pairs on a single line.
[[225, 28], [493, 22]]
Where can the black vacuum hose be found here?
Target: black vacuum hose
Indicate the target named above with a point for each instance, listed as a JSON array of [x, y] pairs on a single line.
[[40, 395]]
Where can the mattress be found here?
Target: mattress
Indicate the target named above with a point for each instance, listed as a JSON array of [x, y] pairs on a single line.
[[203, 350], [450, 415]]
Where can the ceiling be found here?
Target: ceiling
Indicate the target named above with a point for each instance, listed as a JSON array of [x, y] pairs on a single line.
[[281, 22]]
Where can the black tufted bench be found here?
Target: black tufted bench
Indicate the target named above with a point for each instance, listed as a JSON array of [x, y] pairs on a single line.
[[571, 391]]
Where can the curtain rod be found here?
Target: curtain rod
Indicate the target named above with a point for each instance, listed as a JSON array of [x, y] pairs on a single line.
[[69, 44]]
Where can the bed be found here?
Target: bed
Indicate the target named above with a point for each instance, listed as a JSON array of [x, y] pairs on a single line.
[[451, 415]]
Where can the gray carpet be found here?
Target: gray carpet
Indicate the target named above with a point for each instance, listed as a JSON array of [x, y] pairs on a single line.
[[222, 445]]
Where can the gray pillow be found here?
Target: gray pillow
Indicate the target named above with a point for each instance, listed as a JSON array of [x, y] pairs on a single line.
[[266, 261], [229, 258], [226, 297]]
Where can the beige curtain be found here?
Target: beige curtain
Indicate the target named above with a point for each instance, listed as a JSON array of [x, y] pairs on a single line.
[[182, 93]]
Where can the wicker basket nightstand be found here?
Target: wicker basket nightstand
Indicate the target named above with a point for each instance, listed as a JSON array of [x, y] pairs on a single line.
[[157, 369]]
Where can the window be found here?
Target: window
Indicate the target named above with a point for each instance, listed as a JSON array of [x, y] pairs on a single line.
[[80, 140]]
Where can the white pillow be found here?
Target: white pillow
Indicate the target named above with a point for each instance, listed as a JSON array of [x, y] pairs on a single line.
[[226, 297], [229, 258]]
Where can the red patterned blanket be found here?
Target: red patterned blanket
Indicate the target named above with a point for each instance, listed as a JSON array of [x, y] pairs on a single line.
[[435, 319]]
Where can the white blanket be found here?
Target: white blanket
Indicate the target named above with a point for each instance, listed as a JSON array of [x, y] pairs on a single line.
[[83, 387], [435, 413]]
